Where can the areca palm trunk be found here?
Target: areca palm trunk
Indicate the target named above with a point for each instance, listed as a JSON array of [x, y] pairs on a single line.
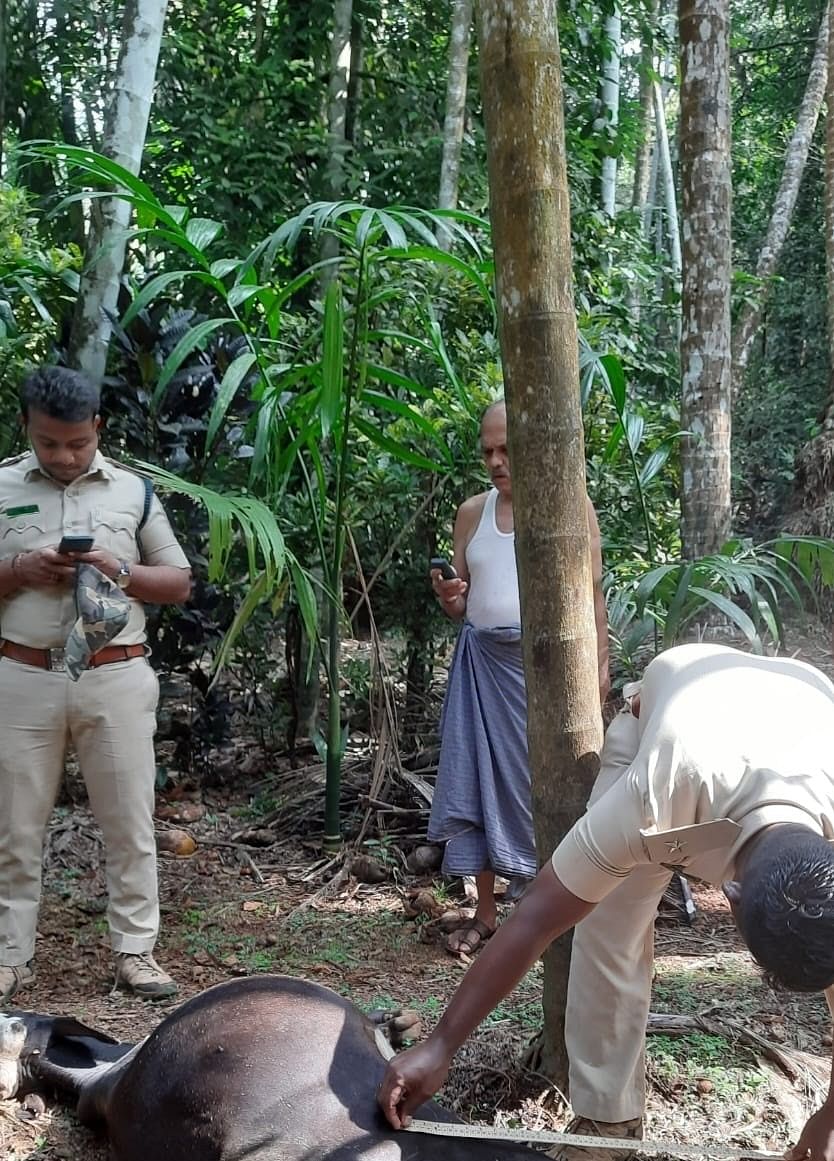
[[126, 123], [459, 37], [530, 211], [796, 156]]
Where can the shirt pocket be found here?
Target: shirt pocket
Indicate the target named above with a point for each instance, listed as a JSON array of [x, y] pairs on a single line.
[[23, 533], [115, 532]]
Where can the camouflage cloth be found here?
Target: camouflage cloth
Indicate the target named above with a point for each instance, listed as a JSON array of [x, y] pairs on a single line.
[[103, 611]]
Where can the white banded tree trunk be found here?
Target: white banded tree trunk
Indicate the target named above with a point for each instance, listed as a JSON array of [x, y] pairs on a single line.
[[796, 157], [125, 126], [610, 94], [454, 122]]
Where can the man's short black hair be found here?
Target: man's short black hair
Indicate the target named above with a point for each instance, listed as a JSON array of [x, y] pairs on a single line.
[[61, 394], [786, 915]]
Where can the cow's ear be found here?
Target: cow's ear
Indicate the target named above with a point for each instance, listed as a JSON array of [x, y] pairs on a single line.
[[69, 1026]]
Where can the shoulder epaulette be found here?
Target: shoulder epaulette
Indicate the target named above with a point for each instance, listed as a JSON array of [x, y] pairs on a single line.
[[7, 463]]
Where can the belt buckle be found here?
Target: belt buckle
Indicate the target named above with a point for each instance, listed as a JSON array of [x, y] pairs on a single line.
[[55, 658]]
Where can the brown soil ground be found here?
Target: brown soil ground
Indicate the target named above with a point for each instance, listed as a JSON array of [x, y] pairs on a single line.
[[235, 908]]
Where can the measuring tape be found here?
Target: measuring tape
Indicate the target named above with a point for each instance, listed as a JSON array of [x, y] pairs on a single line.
[[579, 1140]]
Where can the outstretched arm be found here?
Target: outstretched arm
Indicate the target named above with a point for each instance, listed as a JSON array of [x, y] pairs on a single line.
[[816, 1140], [546, 910]]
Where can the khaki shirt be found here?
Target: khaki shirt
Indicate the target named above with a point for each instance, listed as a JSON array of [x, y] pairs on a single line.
[[722, 735], [107, 503]]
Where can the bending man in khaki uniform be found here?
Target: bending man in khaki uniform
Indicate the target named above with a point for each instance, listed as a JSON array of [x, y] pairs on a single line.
[[481, 808], [65, 486], [721, 763]]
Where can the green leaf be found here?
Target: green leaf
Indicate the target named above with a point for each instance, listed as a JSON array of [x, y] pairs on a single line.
[[236, 372], [201, 232], [184, 347], [395, 449], [406, 411], [150, 290], [239, 294], [224, 266], [735, 614]]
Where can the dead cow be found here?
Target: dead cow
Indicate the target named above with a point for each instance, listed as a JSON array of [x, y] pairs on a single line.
[[267, 1068]]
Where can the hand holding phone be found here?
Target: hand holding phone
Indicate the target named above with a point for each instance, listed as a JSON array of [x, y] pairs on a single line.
[[75, 544], [446, 569]]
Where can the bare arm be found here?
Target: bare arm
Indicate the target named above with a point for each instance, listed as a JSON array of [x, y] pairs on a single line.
[[161, 584], [600, 610], [452, 593], [817, 1138], [547, 910]]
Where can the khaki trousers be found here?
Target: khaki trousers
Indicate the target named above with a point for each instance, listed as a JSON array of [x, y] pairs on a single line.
[[609, 989], [110, 717]]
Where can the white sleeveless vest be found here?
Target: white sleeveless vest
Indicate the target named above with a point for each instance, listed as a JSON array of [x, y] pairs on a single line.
[[492, 600]]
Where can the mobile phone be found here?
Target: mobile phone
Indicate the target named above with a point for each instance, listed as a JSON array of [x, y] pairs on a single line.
[[75, 544], [446, 570]]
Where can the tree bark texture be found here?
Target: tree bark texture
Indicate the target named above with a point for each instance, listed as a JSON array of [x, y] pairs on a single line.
[[530, 212], [643, 156], [664, 159], [796, 156], [453, 124], [3, 55], [125, 126], [337, 115], [610, 93], [829, 212], [707, 262]]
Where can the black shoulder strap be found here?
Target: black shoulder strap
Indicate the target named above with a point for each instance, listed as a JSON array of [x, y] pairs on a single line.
[[146, 507]]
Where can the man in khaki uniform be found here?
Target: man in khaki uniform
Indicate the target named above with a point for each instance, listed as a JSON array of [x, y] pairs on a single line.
[[721, 764], [64, 487]]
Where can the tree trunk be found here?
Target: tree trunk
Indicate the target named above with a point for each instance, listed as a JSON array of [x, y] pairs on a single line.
[[447, 198], [643, 157], [530, 212], [125, 126], [707, 249], [610, 94], [666, 172], [829, 215], [3, 51], [796, 156], [337, 107]]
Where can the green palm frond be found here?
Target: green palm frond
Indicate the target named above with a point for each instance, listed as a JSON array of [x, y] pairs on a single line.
[[227, 512]]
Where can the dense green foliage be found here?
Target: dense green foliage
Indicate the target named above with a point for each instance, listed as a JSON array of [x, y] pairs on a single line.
[[344, 398]]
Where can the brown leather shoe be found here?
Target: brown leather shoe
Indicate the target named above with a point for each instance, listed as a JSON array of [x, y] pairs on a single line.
[[585, 1127], [14, 978], [142, 975]]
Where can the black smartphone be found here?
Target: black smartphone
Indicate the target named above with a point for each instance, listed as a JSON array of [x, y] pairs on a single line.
[[446, 570], [75, 544]]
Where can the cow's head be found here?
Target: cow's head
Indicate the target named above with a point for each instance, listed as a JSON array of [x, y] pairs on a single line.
[[12, 1041]]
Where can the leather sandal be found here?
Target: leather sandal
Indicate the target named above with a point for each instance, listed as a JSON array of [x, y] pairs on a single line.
[[469, 937]]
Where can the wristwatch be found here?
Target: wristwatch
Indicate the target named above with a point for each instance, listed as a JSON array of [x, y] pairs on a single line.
[[123, 576]]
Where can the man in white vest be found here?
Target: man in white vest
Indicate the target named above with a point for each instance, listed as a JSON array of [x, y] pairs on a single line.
[[481, 807]]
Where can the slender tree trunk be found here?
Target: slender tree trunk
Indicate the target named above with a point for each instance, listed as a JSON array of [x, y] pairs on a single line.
[[530, 212], [353, 127], [3, 54], [337, 107], [705, 336], [610, 94], [643, 157], [829, 216], [796, 156], [666, 173], [453, 125], [126, 124], [69, 130]]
